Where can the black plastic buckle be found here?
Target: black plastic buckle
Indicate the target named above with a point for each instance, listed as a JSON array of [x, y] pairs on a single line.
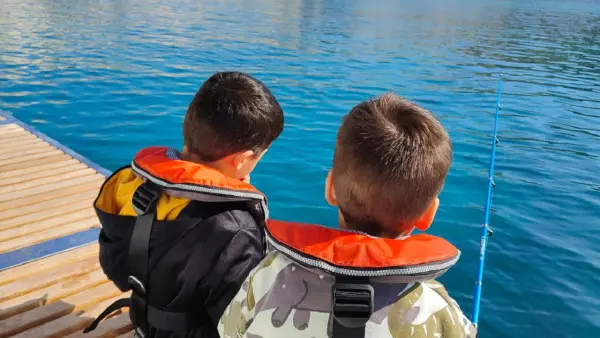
[[138, 333], [145, 198], [353, 304], [136, 285]]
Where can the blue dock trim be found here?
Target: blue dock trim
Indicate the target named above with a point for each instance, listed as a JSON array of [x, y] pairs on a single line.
[[46, 249], [57, 245]]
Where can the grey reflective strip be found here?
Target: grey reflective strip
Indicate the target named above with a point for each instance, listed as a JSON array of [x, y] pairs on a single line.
[[422, 271], [133, 280], [172, 154], [195, 188], [201, 191]]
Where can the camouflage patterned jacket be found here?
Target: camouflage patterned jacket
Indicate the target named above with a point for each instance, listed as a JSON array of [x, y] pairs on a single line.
[[289, 294]]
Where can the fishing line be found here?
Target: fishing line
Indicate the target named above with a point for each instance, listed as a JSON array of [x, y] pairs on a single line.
[[486, 231]]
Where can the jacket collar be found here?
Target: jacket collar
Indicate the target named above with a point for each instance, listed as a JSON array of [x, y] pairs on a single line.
[[163, 167], [347, 253]]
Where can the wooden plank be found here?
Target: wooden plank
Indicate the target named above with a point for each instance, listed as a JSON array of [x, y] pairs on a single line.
[[56, 193], [38, 281], [95, 280], [46, 235], [25, 158], [34, 162], [10, 126], [89, 299], [32, 170], [8, 131], [98, 307], [12, 149], [109, 328], [8, 135], [36, 191], [127, 335], [56, 216], [58, 328], [47, 209], [85, 213], [22, 140], [75, 322], [46, 180], [42, 147], [36, 317], [41, 173], [44, 264], [88, 303]]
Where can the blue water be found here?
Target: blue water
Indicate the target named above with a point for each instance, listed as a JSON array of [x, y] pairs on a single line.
[[109, 77]]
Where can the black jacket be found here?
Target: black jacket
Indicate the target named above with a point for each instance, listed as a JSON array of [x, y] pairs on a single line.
[[200, 251]]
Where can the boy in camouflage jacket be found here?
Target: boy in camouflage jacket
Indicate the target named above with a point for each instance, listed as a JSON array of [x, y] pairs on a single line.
[[370, 277]]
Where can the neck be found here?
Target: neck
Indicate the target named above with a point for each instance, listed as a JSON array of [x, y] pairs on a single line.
[[218, 164], [342, 224]]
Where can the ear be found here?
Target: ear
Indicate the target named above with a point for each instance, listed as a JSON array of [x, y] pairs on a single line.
[[239, 159], [425, 221], [329, 190]]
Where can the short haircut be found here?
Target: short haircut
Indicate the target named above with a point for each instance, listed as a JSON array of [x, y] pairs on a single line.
[[390, 163], [231, 112]]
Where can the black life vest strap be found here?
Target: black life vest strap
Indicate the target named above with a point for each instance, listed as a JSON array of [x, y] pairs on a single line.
[[353, 304], [158, 318], [118, 304], [144, 203]]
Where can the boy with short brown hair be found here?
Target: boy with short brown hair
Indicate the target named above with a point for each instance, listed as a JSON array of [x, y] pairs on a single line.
[[389, 165], [370, 278], [182, 230]]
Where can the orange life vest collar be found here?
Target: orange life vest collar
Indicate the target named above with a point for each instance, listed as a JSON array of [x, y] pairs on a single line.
[[339, 252], [163, 167]]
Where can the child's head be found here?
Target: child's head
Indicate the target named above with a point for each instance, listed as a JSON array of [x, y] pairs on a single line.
[[231, 122], [391, 159]]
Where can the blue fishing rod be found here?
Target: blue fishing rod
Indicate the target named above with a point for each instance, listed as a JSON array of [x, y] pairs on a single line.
[[486, 231]]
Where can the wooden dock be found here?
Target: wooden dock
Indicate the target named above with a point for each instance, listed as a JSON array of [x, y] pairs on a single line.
[[51, 284]]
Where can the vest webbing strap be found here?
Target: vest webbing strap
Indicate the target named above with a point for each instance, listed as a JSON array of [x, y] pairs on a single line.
[[144, 203], [118, 304], [139, 247], [341, 331], [353, 303]]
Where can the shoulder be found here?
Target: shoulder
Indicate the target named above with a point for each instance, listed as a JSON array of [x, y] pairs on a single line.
[[233, 216], [272, 264], [120, 177], [428, 308], [453, 311], [265, 273], [257, 287]]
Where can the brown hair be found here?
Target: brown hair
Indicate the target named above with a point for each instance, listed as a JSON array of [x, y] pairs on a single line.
[[231, 112], [390, 162]]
